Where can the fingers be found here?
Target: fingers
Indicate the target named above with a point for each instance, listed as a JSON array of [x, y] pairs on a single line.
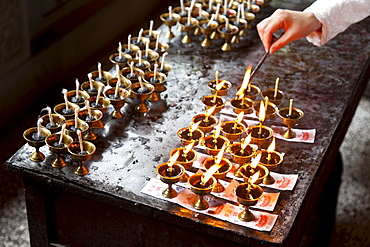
[[268, 27]]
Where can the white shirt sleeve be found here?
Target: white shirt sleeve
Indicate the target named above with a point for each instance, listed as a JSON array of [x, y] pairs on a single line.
[[335, 17]]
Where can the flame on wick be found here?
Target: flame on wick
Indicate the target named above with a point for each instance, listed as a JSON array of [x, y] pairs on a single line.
[[240, 93], [220, 85], [217, 130], [246, 141], [255, 177], [256, 160], [239, 118], [246, 80], [188, 147], [209, 173], [261, 116], [194, 126], [210, 111], [271, 147], [220, 155], [173, 159]]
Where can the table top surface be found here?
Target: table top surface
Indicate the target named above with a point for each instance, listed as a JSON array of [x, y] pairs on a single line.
[[321, 80]]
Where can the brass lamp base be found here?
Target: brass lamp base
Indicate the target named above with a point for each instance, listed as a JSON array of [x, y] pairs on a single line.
[[200, 204], [37, 156], [289, 133], [246, 215], [59, 162], [169, 192], [81, 170], [269, 180]]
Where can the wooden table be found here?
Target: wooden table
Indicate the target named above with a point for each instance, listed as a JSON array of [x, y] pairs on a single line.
[[106, 208]]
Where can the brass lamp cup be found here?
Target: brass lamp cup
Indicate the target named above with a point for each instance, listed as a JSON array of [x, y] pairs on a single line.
[[165, 70], [123, 61], [106, 76], [253, 93], [241, 156], [96, 85], [74, 150], [188, 28], [36, 156], [60, 109], [270, 160], [96, 123], [290, 120], [58, 120], [220, 173], [170, 177], [251, 18], [59, 161], [207, 123], [187, 137], [232, 130], [169, 23], [125, 83], [144, 65], [83, 95], [270, 93], [224, 89], [82, 125], [162, 47], [242, 105], [102, 105], [139, 42], [132, 50], [118, 102], [270, 111], [151, 36], [159, 84], [214, 145], [134, 77], [227, 35], [142, 107], [186, 160], [241, 29], [263, 139], [200, 190], [245, 172], [152, 57], [207, 30], [209, 101], [201, 20], [245, 200]]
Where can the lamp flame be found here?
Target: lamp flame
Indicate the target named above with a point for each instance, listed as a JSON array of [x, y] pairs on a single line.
[[220, 85], [239, 118], [210, 110], [256, 160], [209, 173], [173, 159], [240, 93], [188, 147], [255, 177], [246, 141], [194, 126], [261, 116], [217, 130], [247, 77], [271, 147], [220, 155]]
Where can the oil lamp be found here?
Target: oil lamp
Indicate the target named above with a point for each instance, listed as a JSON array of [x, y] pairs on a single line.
[[140, 63], [233, 130], [91, 86], [242, 152], [274, 94], [101, 75], [169, 19], [190, 134], [150, 34], [241, 24], [81, 151], [270, 159], [100, 103], [73, 125], [158, 80], [53, 122], [159, 47], [117, 97], [142, 91], [186, 158], [220, 167], [58, 144], [93, 119], [249, 91], [227, 31], [188, 24], [241, 103], [132, 73], [120, 58], [248, 195], [35, 137], [139, 40], [77, 96], [66, 109], [249, 169], [207, 28], [290, 117], [214, 100], [261, 135], [270, 108], [164, 68], [129, 48], [207, 120], [150, 55], [170, 173], [214, 143], [124, 82], [219, 87], [201, 185]]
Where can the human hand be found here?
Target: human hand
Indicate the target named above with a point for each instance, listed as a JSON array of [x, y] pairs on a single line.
[[296, 25]]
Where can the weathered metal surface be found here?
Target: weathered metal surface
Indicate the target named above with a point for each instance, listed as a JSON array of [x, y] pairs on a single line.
[[321, 80]]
